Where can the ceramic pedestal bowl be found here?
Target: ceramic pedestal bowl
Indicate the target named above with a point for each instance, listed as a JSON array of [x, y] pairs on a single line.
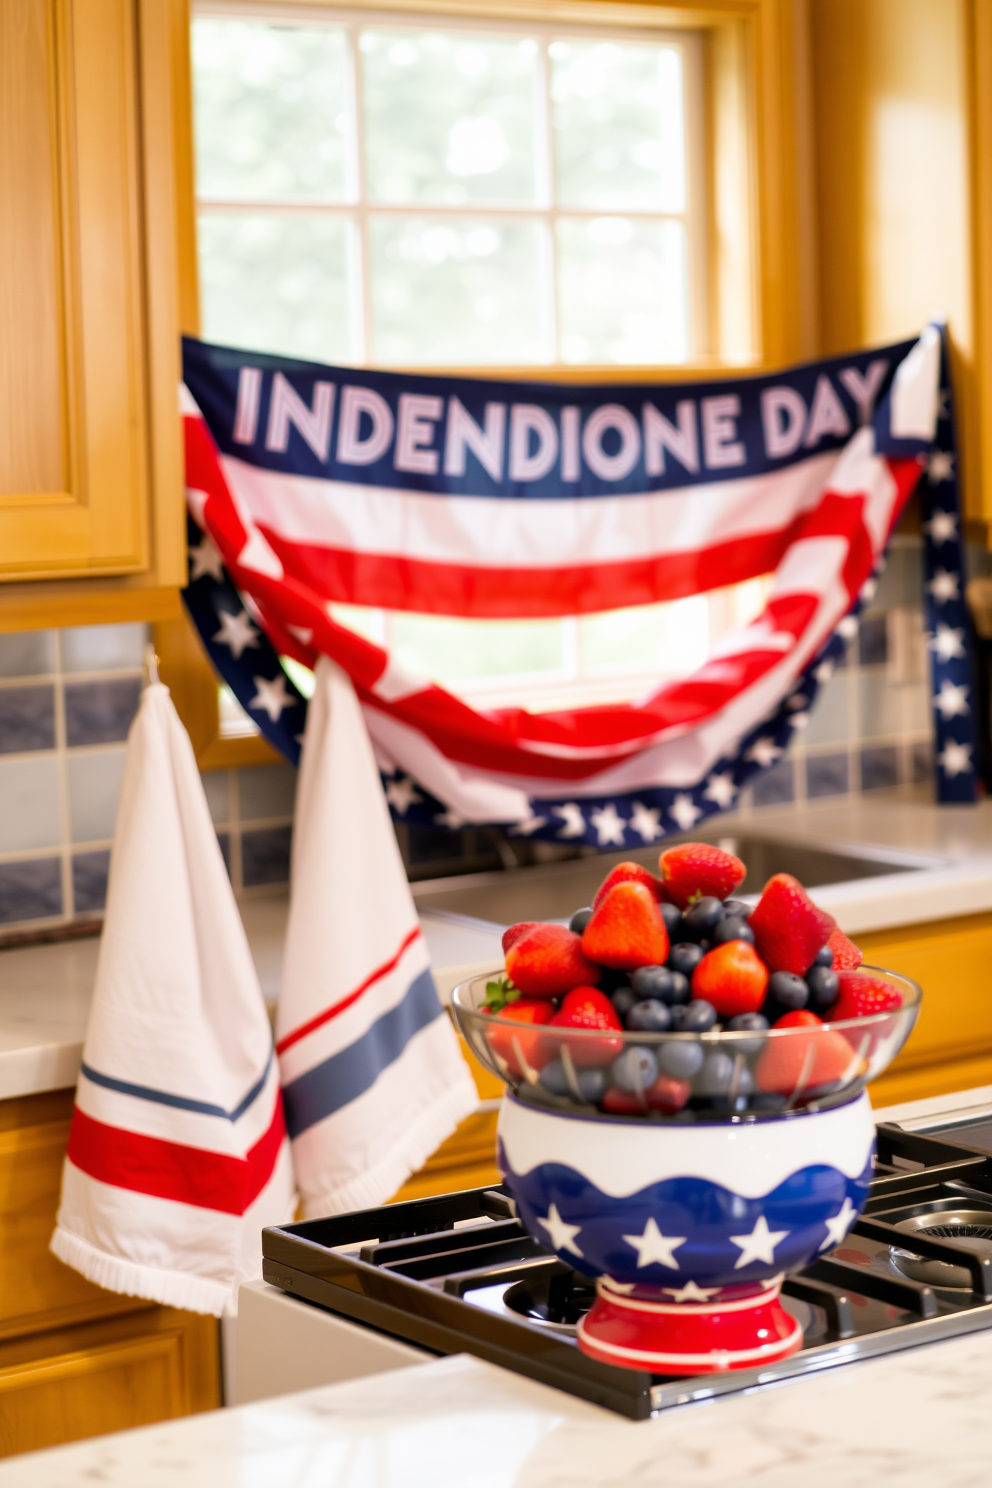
[[691, 1205]]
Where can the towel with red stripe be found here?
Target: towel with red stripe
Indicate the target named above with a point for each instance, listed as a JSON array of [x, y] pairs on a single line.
[[178, 1154], [373, 1079]]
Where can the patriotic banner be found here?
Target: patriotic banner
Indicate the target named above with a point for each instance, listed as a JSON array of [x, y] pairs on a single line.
[[178, 1155], [315, 485], [372, 1077]]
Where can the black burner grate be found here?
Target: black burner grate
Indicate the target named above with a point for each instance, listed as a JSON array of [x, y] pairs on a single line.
[[458, 1274]]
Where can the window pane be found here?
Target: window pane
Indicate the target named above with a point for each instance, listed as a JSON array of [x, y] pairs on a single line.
[[617, 116], [456, 290], [672, 639], [448, 118], [270, 110], [622, 292], [459, 650], [276, 284]]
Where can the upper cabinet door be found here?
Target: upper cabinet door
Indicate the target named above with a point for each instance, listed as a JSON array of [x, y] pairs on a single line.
[[75, 445]]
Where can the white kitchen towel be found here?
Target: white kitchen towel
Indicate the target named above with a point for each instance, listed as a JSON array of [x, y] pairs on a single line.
[[178, 1154], [373, 1079]]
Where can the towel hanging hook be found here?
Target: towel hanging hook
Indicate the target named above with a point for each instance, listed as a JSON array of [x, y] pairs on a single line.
[[150, 666]]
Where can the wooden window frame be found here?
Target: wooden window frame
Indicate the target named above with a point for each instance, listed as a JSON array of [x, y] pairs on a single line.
[[759, 217]]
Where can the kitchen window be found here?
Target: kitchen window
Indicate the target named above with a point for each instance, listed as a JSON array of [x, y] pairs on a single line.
[[426, 191]]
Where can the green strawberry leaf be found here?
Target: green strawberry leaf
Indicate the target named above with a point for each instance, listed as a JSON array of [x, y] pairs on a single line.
[[499, 994]]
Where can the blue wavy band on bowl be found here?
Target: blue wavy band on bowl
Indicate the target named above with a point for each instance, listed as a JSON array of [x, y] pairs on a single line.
[[688, 1228]]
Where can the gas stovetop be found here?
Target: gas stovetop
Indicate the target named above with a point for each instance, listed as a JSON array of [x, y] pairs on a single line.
[[459, 1274]]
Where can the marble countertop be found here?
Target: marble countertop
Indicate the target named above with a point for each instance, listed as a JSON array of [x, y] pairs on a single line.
[[45, 990], [920, 1419]]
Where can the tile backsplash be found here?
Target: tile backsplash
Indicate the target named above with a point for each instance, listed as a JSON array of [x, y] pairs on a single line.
[[67, 699]]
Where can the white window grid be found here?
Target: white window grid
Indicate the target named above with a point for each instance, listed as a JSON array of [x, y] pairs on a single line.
[[575, 681], [544, 211]]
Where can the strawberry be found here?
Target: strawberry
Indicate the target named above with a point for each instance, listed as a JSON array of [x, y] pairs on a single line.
[[665, 1094], [628, 873], [731, 978], [514, 932], [546, 960], [698, 870], [585, 1007], [626, 929], [861, 995], [524, 1046], [801, 1062], [788, 927], [847, 957]]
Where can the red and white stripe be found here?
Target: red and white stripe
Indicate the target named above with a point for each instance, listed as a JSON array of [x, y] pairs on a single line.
[[296, 545]]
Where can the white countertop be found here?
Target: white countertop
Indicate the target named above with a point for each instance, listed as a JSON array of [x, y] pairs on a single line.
[[920, 1419], [45, 990]]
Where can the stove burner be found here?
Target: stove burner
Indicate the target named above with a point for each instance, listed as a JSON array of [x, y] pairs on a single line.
[[971, 1228], [556, 1300], [459, 1273]]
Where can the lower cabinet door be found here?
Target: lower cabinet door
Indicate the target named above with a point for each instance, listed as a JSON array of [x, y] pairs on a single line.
[[147, 1366]]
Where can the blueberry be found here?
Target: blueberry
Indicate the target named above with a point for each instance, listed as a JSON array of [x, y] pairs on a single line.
[[698, 1016], [685, 957], [672, 916], [737, 909], [591, 1082], [635, 1069], [746, 1023], [824, 957], [610, 979], [787, 991], [653, 981], [648, 1017], [623, 1000], [680, 1058], [702, 918], [824, 987], [733, 929], [715, 1076], [580, 920], [681, 991]]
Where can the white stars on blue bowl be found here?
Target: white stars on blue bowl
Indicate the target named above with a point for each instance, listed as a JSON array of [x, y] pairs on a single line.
[[839, 1224], [690, 1292], [655, 1249], [562, 1235], [759, 1245]]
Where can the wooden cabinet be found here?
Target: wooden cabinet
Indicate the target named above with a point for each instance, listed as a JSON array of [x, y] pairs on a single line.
[[76, 1360], [93, 142]]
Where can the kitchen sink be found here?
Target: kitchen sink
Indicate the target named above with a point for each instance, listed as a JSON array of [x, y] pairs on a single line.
[[554, 891]]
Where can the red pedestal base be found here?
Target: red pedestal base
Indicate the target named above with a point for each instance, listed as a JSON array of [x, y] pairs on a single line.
[[646, 1329]]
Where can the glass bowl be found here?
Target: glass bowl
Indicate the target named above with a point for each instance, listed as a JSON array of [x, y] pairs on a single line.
[[686, 1076]]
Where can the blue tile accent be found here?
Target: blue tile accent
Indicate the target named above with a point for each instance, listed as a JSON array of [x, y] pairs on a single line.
[[873, 641], [879, 767], [30, 890], [27, 719], [827, 775], [265, 856], [89, 880], [777, 786], [100, 712]]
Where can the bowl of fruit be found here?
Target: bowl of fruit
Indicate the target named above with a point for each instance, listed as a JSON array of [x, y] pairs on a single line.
[[686, 1117]]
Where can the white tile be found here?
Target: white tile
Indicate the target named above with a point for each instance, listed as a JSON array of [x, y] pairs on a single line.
[[98, 648], [29, 804], [830, 716], [28, 653], [94, 790]]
